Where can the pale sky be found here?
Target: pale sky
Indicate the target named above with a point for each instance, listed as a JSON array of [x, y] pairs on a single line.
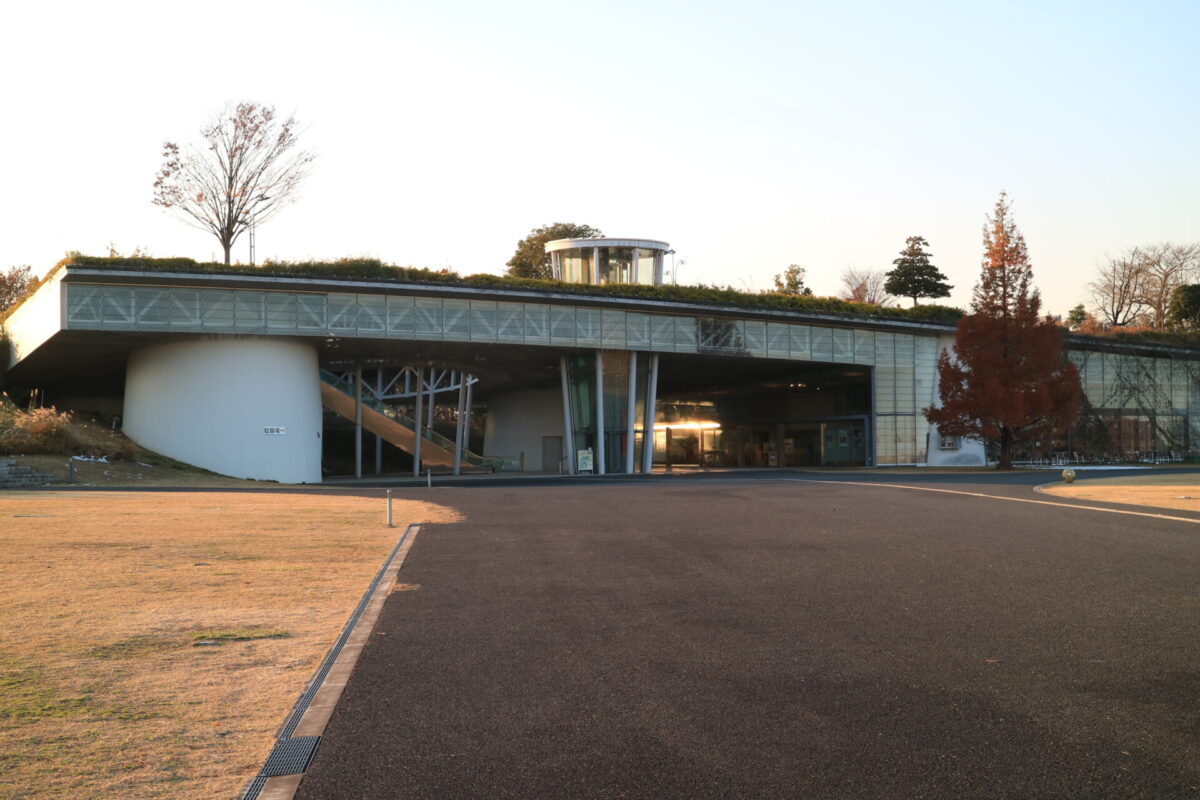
[[749, 135]]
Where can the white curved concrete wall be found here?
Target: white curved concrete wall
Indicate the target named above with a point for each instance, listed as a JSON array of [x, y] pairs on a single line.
[[220, 404]]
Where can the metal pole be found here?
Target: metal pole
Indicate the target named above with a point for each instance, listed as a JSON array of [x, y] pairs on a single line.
[[358, 422], [433, 382], [389, 506], [467, 419], [568, 423], [648, 425], [631, 410], [378, 438], [458, 425], [599, 412], [417, 424]]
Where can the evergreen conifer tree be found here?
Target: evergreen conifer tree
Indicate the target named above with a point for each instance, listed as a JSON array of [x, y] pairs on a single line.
[[914, 276]]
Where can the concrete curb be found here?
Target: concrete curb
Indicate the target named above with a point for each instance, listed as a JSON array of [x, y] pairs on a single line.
[[308, 730]]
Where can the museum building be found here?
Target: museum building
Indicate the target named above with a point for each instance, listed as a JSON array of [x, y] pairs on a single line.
[[261, 375]]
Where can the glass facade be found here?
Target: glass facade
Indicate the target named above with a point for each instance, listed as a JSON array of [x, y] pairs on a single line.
[[814, 418], [616, 265], [576, 265], [1136, 409], [613, 265], [618, 416]]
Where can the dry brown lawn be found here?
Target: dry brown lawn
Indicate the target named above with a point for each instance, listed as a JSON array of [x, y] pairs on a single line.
[[1180, 491], [104, 691]]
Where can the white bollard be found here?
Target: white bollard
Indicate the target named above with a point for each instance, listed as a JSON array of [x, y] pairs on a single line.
[[389, 506], [428, 478]]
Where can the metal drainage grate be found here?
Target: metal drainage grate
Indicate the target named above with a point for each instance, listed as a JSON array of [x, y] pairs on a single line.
[[256, 786], [290, 756], [306, 697]]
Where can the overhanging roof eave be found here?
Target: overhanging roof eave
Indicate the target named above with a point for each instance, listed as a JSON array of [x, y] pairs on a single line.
[[288, 283]]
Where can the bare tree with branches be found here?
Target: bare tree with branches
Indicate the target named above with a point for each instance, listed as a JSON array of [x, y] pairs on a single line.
[[1165, 267], [864, 286], [240, 178], [1117, 290]]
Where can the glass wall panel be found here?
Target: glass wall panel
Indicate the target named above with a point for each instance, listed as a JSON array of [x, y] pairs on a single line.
[[616, 265], [576, 265], [646, 265]]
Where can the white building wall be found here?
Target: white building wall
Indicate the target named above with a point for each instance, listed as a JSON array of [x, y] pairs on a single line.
[[35, 320], [517, 421], [210, 403], [970, 452]]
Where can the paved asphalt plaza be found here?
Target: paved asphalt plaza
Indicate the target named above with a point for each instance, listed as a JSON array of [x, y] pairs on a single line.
[[795, 636]]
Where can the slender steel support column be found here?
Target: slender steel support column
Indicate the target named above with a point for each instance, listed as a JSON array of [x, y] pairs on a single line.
[[378, 438], [648, 424], [467, 420], [568, 422], [358, 422], [599, 466], [631, 411], [417, 423], [458, 426], [433, 382]]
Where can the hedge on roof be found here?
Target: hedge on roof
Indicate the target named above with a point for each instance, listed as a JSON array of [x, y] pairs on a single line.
[[375, 270]]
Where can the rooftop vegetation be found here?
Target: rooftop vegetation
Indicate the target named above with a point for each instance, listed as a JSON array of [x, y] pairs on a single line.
[[369, 269]]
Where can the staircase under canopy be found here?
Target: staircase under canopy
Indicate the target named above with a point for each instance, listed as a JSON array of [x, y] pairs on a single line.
[[386, 422]]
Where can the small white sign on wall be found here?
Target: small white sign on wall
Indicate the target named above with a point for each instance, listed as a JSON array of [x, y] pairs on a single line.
[[274, 431]]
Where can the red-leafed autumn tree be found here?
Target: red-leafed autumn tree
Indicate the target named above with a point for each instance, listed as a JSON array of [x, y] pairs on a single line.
[[1009, 378]]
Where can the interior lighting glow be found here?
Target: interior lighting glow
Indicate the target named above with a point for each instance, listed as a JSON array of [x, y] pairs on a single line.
[[691, 426]]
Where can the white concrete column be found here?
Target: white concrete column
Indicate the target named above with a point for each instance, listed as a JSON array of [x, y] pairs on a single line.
[[568, 422], [378, 438], [358, 389], [596, 265], [648, 424], [467, 420], [631, 412], [417, 423], [432, 383], [599, 413], [635, 266], [458, 425]]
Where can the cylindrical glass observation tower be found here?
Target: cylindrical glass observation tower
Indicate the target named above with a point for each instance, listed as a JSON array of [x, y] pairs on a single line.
[[608, 395], [601, 261]]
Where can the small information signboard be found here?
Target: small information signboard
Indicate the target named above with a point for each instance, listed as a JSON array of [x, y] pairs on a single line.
[[585, 461]]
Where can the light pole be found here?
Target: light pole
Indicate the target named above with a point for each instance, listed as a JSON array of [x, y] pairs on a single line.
[[261, 198]]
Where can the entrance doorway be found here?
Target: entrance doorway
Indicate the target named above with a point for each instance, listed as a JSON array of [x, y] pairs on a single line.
[[552, 453]]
